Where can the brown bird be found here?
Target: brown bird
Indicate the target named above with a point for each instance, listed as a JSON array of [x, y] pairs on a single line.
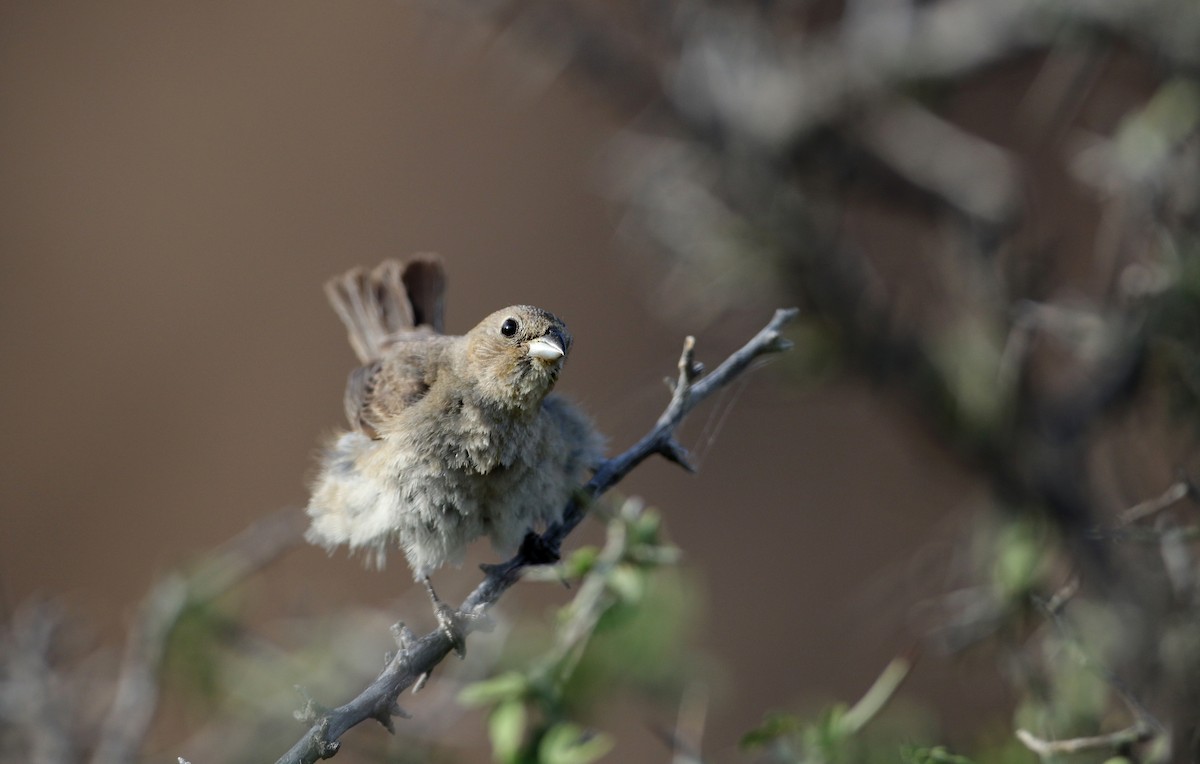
[[451, 438]]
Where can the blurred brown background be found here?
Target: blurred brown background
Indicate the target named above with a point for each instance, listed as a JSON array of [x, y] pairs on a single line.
[[176, 182]]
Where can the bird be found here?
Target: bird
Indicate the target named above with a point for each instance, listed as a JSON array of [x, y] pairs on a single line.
[[450, 438]]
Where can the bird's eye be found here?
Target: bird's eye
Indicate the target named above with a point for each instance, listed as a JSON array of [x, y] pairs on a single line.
[[509, 327]]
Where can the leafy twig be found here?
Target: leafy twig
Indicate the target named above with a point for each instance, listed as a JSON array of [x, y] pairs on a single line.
[[136, 698]]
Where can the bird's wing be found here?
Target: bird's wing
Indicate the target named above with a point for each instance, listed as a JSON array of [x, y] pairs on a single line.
[[379, 391]]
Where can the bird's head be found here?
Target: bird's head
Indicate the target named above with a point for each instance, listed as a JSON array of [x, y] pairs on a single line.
[[516, 354]]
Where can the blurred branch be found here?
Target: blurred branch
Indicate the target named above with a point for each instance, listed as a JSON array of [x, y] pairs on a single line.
[[829, 736], [1139, 732], [969, 174], [728, 71], [415, 660], [34, 696], [1177, 492], [1145, 726], [571, 35], [136, 698], [772, 139], [684, 740]]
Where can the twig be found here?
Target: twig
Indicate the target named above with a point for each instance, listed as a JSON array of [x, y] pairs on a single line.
[[1138, 732], [594, 599], [1177, 492], [945, 160], [1145, 726], [417, 659], [136, 698], [728, 73], [685, 739], [878, 694], [1060, 598]]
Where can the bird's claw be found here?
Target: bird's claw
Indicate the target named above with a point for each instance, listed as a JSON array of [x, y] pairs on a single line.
[[454, 623], [537, 551]]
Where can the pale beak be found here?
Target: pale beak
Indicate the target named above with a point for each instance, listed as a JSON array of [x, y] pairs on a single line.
[[546, 348]]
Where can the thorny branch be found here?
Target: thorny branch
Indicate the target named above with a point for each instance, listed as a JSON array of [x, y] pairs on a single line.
[[417, 658]]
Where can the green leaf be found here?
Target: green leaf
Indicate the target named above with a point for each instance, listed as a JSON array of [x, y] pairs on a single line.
[[644, 530], [506, 728], [936, 755], [1019, 556], [581, 562], [195, 648], [567, 743], [774, 726], [503, 687], [628, 583], [829, 734]]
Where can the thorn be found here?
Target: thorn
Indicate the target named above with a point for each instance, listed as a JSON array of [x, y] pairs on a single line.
[[420, 683], [491, 569], [383, 714], [388, 657], [687, 362], [404, 637], [778, 344], [670, 383], [385, 719], [678, 454]]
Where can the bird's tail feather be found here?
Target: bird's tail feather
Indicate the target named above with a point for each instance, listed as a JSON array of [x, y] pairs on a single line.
[[392, 300]]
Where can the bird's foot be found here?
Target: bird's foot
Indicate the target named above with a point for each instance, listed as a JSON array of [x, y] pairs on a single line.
[[535, 549], [454, 623]]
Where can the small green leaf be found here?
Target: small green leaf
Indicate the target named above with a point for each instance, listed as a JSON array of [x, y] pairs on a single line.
[[936, 755], [506, 728], [581, 562], [774, 726], [567, 743], [503, 687], [654, 556], [628, 583], [829, 734], [644, 530], [1019, 556]]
